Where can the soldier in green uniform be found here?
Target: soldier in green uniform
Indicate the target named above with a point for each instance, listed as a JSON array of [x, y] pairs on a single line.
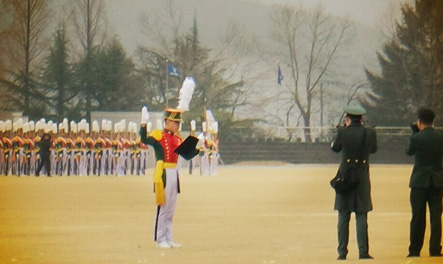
[[426, 183], [353, 141]]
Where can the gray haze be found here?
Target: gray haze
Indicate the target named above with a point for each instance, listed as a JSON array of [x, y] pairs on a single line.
[[367, 12], [213, 15]]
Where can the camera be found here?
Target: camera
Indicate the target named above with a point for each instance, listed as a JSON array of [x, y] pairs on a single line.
[[414, 127]]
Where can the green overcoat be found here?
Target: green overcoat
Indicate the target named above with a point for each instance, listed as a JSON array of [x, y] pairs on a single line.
[[349, 143]]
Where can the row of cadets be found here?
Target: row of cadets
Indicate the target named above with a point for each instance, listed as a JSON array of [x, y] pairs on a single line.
[[74, 151], [19, 147]]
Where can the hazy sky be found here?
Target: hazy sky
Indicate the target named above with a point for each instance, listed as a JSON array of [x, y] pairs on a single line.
[[364, 11]]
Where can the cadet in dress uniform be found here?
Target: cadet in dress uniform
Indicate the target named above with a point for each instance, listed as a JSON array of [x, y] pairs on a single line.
[[107, 146], [134, 148], [80, 144], [167, 146], [115, 150], [28, 147], [39, 127], [17, 148], [126, 159], [7, 148], [60, 150], [426, 183], [70, 147], [98, 154], [213, 150], [32, 154], [166, 181], [52, 131], [205, 137], [2, 134], [119, 148], [90, 142], [349, 142]]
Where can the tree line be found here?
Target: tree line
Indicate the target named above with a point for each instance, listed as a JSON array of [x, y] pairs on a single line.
[[68, 65], [73, 70]]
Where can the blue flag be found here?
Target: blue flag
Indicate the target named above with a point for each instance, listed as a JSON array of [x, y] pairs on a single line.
[[172, 70], [280, 76]]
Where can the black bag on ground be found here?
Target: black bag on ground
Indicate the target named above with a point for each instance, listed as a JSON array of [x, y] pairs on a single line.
[[345, 180]]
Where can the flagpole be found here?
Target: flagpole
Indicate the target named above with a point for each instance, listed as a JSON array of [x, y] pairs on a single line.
[[167, 84]]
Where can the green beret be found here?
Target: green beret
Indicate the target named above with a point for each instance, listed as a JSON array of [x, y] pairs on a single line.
[[354, 110]]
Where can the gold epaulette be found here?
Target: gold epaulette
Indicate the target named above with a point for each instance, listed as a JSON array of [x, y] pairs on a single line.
[[157, 135]]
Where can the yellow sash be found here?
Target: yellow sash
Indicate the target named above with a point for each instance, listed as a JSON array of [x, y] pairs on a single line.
[[158, 182]]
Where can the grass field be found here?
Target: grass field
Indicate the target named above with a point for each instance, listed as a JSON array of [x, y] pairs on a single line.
[[247, 214]]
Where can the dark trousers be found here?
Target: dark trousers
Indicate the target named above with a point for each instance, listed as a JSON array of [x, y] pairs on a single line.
[[45, 160], [361, 220], [418, 198]]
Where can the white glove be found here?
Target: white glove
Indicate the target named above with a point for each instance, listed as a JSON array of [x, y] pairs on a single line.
[[145, 115]]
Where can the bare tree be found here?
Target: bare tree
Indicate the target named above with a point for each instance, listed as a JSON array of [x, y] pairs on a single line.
[[22, 44], [309, 41], [90, 27], [222, 73]]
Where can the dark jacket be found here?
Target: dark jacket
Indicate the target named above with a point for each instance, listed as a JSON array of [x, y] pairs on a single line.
[[349, 142], [45, 145], [427, 146]]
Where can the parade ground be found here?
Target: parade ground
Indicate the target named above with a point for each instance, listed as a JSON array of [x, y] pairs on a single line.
[[260, 213]]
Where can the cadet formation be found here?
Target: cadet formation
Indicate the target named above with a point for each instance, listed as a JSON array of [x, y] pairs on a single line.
[[83, 149]]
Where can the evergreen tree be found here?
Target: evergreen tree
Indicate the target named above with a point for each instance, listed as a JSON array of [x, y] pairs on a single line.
[[411, 67], [117, 87], [58, 78]]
